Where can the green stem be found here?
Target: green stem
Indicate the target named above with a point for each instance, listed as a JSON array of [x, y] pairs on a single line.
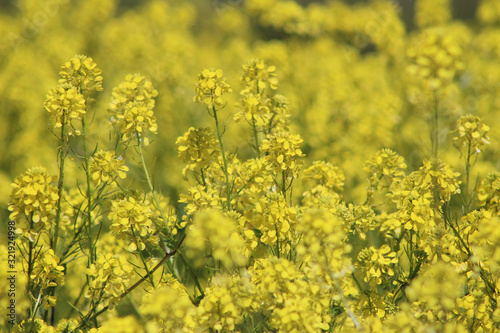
[[151, 280], [61, 158], [256, 137], [88, 210], [223, 153], [467, 177], [148, 179]]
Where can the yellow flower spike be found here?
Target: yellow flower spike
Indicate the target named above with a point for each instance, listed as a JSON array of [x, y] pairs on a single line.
[[209, 87], [33, 197], [81, 72], [132, 104], [65, 105]]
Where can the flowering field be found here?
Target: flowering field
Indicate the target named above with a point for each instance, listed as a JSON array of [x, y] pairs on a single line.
[[249, 166]]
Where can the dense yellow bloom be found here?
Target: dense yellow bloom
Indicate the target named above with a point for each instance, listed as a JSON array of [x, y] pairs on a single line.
[[34, 198], [46, 271], [198, 148], [422, 193], [257, 77], [322, 173], [323, 245], [488, 193], [213, 234], [432, 12], [377, 263], [180, 309], [437, 288], [38, 326], [132, 218], [65, 104], [472, 133], [209, 87], [274, 218], [132, 104], [81, 72], [296, 316], [105, 167], [283, 152], [262, 110], [200, 198], [220, 309], [435, 57], [109, 277], [385, 168]]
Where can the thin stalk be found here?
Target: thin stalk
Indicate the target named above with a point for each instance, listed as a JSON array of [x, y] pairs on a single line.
[[467, 177], [256, 136], [151, 280], [89, 196], [148, 179], [223, 153], [60, 158]]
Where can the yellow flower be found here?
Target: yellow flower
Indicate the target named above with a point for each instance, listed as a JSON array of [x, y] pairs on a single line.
[[257, 77], [213, 234], [65, 104], [46, 271], [385, 168], [209, 87], [435, 57], [34, 198], [81, 72], [132, 104], [471, 132], [132, 218], [377, 263], [198, 148], [432, 12], [283, 152], [105, 167], [109, 277]]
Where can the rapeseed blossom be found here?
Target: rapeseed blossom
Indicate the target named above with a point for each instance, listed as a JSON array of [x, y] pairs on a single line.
[[132, 104]]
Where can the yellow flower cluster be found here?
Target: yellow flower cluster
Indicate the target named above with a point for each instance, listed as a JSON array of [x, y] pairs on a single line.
[[432, 12], [274, 218], [132, 218], [33, 200], [65, 104], [377, 264], [214, 235], [219, 309], [421, 194], [323, 245], [180, 309], [210, 86], [385, 168], [285, 296], [47, 271], [282, 152], [258, 77], [375, 235], [200, 198], [471, 132], [81, 72], [132, 104], [108, 278], [105, 167], [435, 57], [198, 148], [488, 193]]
